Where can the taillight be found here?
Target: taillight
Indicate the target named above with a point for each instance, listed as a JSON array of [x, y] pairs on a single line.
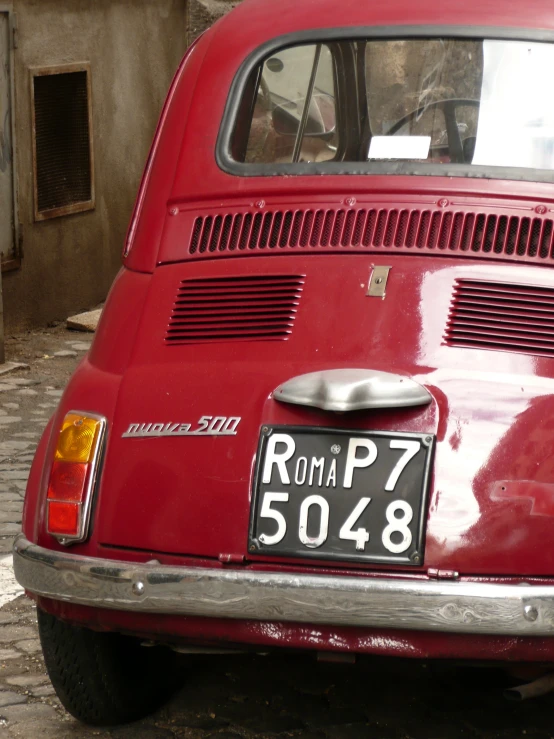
[[73, 476]]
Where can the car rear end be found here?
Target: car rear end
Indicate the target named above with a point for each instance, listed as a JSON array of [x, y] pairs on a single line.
[[317, 413]]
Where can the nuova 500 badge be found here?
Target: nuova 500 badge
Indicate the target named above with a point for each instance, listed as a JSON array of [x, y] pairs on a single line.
[[205, 426]]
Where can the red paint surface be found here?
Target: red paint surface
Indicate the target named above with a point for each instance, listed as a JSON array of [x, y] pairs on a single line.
[[491, 413], [186, 500]]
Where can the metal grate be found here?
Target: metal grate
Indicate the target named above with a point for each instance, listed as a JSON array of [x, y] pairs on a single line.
[[256, 308], [62, 140], [502, 316], [453, 233]]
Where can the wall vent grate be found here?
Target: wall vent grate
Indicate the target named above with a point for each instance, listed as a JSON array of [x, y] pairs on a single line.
[[62, 141]]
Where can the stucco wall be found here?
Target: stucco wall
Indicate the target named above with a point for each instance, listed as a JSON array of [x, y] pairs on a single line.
[[134, 47]]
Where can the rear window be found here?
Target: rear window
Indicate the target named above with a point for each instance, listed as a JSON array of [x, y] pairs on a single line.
[[442, 105]]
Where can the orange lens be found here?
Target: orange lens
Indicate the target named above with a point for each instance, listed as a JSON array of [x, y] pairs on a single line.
[[64, 518], [78, 438], [67, 481]]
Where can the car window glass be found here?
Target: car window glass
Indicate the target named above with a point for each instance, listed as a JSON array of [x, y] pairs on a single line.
[[418, 87], [294, 117], [517, 113], [433, 102]]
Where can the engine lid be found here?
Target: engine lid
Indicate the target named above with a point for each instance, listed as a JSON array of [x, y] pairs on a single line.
[[179, 473]]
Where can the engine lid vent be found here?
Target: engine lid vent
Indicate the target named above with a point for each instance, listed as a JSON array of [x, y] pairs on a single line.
[[502, 316], [451, 233], [249, 308]]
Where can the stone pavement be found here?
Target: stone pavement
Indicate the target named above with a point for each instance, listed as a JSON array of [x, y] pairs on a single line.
[[231, 697]]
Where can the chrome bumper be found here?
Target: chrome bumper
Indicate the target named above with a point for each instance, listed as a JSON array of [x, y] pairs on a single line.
[[426, 605]]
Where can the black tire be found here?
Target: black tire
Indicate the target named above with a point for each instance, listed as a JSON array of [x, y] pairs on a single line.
[[105, 678]]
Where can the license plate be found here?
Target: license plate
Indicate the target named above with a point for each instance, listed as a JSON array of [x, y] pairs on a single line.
[[348, 495]]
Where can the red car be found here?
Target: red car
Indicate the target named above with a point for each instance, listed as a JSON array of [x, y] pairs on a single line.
[[318, 412]]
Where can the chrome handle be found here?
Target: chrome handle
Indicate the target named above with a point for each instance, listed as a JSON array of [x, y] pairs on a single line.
[[352, 390]]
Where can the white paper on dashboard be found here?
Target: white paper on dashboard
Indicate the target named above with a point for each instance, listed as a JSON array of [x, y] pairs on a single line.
[[399, 147]]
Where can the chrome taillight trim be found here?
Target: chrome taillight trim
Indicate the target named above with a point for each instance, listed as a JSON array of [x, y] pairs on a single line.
[[91, 483]]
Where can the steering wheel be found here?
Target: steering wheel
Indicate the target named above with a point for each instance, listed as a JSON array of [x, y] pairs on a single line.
[[448, 107]]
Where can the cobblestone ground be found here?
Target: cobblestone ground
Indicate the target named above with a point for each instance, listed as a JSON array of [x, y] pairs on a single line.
[[234, 696]]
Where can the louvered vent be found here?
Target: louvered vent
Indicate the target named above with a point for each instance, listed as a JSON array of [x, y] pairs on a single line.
[[502, 316], [62, 140], [257, 308], [454, 233]]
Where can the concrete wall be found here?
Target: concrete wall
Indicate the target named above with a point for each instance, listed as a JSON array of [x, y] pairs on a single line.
[[203, 13], [134, 47]]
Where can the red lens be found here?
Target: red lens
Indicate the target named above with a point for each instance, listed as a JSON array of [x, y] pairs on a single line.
[[67, 481], [64, 518]]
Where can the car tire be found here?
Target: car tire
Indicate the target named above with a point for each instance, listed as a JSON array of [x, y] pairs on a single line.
[[105, 678]]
